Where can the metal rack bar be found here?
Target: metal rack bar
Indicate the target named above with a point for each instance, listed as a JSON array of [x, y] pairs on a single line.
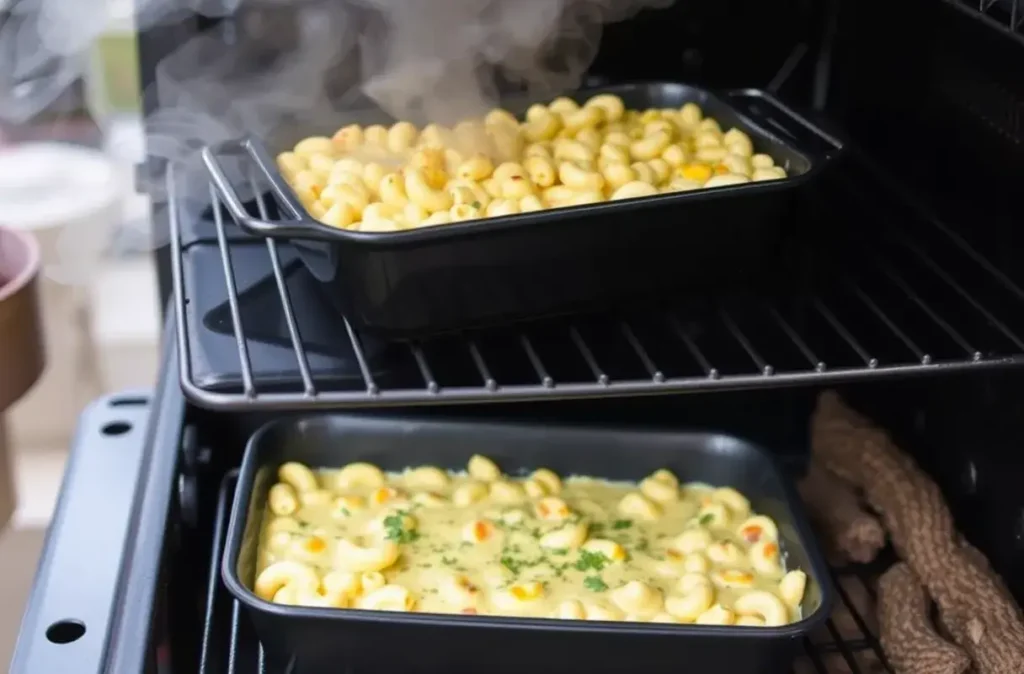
[[481, 366], [233, 653], [818, 364], [691, 346], [588, 356], [959, 290], [1009, 21], [286, 303], [424, 368], [538, 365], [814, 656], [656, 375], [916, 299], [843, 646], [923, 357], [845, 334], [357, 350], [870, 641], [229, 279], [766, 369]]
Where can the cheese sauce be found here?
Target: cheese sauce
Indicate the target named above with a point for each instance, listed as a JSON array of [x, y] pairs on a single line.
[[537, 546]]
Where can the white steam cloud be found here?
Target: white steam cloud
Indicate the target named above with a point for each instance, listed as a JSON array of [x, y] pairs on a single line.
[[279, 60]]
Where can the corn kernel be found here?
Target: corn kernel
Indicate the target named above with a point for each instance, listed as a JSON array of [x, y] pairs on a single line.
[[699, 172], [385, 494], [527, 591], [477, 531]]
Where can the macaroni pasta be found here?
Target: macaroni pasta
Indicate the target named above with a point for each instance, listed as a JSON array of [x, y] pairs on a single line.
[[539, 545], [381, 179]]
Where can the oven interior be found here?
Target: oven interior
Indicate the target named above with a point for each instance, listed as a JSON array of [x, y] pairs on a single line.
[[927, 94]]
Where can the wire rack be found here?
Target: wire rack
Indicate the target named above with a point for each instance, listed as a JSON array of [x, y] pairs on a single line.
[[904, 295], [1006, 15], [229, 645]]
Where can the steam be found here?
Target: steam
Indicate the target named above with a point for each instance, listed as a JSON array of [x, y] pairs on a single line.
[[277, 64]]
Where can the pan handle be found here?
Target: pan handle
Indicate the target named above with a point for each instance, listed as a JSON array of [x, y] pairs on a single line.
[[298, 225], [758, 97]]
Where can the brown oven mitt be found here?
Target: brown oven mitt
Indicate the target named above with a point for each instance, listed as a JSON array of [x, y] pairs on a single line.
[[973, 606], [910, 641], [850, 531]]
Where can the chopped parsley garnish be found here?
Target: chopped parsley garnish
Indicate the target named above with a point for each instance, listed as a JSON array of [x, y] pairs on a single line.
[[591, 561], [706, 519], [622, 524], [449, 561], [512, 564], [475, 204], [394, 526], [595, 584]]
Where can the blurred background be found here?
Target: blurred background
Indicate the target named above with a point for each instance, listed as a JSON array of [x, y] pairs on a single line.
[[102, 321]]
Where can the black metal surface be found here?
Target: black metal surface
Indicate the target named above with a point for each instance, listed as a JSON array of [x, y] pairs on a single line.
[[94, 597], [230, 644], [497, 271], [67, 622], [313, 640]]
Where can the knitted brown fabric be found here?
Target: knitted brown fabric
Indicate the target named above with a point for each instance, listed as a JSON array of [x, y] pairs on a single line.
[[847, 528], [910, 641], [974, 607]]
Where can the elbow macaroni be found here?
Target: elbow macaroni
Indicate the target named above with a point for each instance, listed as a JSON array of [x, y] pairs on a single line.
[[598, 151], [483, 542]]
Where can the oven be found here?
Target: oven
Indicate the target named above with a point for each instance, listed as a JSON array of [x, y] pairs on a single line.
[[900, 287]]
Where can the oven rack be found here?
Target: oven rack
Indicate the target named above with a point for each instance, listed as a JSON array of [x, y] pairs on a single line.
[[912, 298], [229, 644], [1005, 15]]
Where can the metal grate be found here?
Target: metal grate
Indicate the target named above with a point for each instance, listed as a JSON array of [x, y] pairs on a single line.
[[229, 645], [875, 287], [1006, 15]]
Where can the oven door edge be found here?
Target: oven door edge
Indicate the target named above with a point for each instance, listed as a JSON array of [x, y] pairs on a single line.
[[100, 565]]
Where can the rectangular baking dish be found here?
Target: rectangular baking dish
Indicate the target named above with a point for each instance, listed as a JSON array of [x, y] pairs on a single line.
[[479, 273], [325, 641]]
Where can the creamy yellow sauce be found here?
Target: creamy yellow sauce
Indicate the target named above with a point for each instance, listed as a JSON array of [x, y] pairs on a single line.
[[481, 542]]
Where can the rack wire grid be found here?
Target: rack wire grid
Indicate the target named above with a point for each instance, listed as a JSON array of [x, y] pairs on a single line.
[[910, 296], [1005, 15], [848, 643]]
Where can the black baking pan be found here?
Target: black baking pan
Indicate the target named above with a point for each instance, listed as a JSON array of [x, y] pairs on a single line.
[[326, 641], [502, 270]]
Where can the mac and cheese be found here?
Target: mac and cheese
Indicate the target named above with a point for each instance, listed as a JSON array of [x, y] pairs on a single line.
[[563, 154], [539, 545]]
